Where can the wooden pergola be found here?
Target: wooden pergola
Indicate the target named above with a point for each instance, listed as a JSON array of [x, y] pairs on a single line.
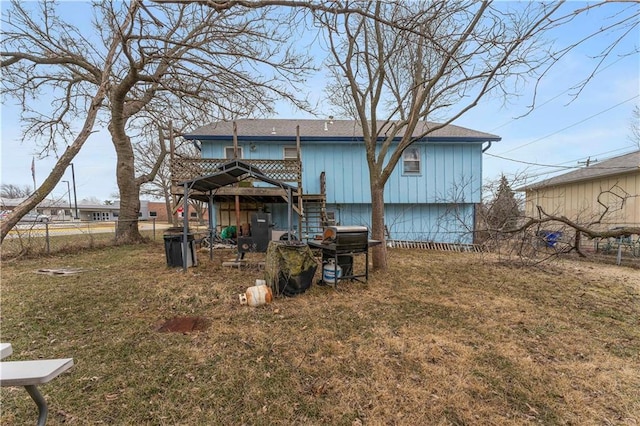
[[205, 188]]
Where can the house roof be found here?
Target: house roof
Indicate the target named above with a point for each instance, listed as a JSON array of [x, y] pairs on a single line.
[[623, 164], [284, 129]]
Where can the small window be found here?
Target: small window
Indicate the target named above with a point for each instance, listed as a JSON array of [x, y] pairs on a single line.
[[194, 214], [228, 152], [290, 153], [411, 161], [153, 214]]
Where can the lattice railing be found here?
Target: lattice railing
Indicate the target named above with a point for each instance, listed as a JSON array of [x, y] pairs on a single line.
[[183, 169]]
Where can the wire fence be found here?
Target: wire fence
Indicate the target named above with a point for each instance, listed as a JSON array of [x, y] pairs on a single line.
[[54, 237]]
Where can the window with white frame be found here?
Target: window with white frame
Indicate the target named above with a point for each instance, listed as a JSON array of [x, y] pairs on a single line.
[[411, 161], [290, 153], [228, 152]]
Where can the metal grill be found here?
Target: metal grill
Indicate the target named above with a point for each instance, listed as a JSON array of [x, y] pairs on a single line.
[[340, 245], [353, 239]]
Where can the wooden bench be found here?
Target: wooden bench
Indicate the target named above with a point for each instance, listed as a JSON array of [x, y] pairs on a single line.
[[30, 374]]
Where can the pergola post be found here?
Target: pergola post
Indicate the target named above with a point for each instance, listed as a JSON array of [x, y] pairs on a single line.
[[185, 227]]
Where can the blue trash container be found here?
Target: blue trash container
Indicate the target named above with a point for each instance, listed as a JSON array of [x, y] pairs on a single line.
[[550, 238]]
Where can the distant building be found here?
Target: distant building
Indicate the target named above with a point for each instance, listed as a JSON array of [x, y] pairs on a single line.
[[59, 210]]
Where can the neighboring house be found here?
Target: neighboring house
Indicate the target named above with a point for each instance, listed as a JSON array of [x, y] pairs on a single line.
[[607, 189], [60, 210], [431, 196]]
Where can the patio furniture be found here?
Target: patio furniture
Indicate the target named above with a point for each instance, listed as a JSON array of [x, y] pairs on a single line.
[[30, 374]]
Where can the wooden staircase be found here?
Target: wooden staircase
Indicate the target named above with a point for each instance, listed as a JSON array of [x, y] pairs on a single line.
[[314, 208], [315, 215]]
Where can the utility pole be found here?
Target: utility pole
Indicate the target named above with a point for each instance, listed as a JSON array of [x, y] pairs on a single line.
[[75, 195], [69, 193], [588, 162]]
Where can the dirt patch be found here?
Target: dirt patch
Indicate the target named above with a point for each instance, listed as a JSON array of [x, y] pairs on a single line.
[[184, 325]]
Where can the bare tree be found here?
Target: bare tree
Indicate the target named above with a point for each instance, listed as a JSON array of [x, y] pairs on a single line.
[[28, 38], [182, 62], [151, 152], [9, 190], [635, 126], [437, 62], [445, 58], [536, 233]]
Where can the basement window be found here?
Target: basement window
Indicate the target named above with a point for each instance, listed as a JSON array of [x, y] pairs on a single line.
[[411, 161]]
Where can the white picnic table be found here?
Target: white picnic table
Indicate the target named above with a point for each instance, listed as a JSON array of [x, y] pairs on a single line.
[[30, 374], [5, 350]]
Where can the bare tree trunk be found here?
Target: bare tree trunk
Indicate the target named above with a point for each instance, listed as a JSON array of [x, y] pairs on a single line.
[[128, 186], [127, 231], [167, 203], [377, 227], [58, 170]]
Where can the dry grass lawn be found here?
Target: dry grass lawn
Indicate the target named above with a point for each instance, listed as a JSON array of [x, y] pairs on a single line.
[[439, 339]]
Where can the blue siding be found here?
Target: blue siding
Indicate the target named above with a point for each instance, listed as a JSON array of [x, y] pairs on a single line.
[[415, 222], [261, 150], [345, 168], [450, 172], [279, 216], [436, 205]]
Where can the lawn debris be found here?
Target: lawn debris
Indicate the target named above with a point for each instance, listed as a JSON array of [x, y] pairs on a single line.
[[59, 271]]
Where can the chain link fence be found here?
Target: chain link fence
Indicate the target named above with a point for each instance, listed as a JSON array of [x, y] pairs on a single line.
[[27, 239]]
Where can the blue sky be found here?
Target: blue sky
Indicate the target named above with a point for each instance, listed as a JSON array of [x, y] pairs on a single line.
[[559, 131]]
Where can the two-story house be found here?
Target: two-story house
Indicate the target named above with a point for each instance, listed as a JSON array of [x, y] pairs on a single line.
[[431, 195]]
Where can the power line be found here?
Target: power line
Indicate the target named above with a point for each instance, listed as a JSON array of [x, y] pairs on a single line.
[[572, 125], [528, 162], [553, 98], [554, 165], [538, 172]]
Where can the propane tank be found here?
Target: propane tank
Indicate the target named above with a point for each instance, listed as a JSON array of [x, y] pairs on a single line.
[[331, 272]]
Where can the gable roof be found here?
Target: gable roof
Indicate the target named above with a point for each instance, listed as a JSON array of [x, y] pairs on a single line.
[[623, 164], [285, 129]]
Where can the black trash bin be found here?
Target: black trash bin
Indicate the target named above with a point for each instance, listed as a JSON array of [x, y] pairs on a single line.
[[173, 249], [289, 267]]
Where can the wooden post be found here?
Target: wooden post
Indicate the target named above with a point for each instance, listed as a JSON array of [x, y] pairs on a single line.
[[301, 212], [235, 157], [174, 196]]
